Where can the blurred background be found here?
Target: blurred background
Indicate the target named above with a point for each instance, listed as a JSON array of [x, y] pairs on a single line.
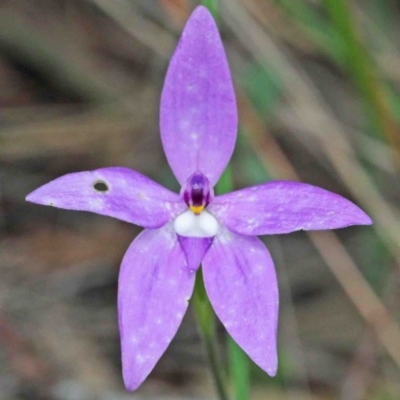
[[318, 88]]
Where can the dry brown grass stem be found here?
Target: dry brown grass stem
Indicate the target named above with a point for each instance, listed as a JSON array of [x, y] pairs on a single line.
[[143, 30], [328, 245], [317, 119]]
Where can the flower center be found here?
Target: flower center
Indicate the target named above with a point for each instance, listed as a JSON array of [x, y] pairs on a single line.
[[190, 225], [196, 222], [197, 193]]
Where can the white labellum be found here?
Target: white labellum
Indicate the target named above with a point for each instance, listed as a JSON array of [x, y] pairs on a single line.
[[190, 225]]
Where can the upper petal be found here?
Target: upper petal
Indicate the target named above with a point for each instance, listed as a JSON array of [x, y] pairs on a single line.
[[198, 116], [154, 288], [117, 192], [240, 281], [282, 207]]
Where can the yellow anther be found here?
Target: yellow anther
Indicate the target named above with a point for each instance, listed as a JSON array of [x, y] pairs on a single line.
[[197, 209]]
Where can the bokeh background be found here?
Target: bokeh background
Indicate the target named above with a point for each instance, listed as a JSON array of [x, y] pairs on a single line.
[[318, 88]]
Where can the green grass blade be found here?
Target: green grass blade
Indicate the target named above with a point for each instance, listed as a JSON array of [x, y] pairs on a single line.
[[361, 68], [212, 6]]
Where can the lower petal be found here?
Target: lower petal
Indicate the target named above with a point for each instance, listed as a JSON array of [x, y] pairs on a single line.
[[240, 280], [155, 286]]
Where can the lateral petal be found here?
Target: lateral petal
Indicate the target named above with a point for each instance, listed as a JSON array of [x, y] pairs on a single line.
[[155, 286], [283, 207], [116, 192], [198, 116], [240, 281]]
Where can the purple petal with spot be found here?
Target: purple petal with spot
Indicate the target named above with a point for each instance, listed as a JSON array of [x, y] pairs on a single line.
[[129, 196], [198, 116], [153, 293], [194, 248], [283, 207], [240, 281]]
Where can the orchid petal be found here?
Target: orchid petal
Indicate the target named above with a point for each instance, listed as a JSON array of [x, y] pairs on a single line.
[[195, 248], [154, 289], [198, 116], [240, 281], [116, 192], [283, 207]]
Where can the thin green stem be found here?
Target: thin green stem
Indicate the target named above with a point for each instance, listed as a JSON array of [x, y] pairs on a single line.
[[239, 363], [206, 322], [238, 360], [239, 370]]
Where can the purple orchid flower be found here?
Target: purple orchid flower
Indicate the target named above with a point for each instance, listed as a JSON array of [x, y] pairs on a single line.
[[198, 130]]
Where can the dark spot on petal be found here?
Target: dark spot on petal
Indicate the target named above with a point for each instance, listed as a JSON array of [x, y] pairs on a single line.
[[101, 186]]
